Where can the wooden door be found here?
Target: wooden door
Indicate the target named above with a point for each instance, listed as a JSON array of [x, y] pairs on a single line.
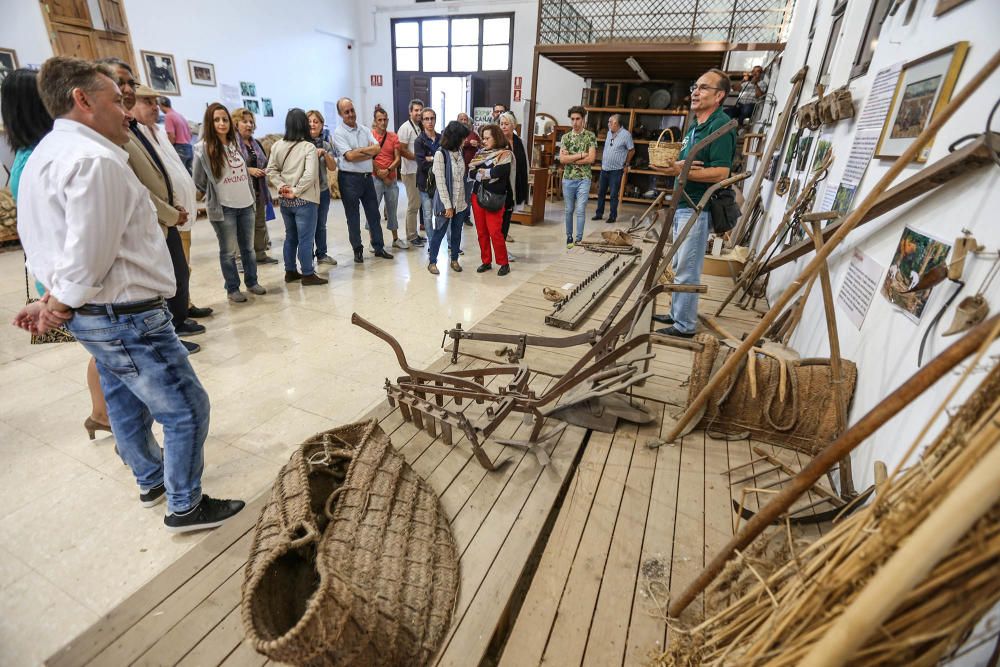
[[72, 12], [114, 17], [76, 42], [109, 44]]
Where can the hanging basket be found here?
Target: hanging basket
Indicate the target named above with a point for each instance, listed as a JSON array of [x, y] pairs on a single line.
[[664, 153], [352, 561]]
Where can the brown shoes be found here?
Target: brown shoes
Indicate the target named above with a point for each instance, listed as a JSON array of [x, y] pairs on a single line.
[[455, 266], [292, 276], [433, 268], [313, 279]]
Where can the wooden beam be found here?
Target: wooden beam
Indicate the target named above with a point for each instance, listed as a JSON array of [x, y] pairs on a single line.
[[970, 157]]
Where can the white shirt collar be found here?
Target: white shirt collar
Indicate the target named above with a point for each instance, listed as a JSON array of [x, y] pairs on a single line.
[[75, 127]]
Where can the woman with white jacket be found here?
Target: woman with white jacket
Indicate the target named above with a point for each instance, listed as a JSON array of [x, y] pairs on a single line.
[[293, 170]]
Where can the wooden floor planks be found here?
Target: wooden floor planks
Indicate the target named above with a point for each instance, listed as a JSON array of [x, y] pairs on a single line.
[[601, 535]]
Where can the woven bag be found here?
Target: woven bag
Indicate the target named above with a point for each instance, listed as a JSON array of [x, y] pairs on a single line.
[[353, 561], [791, 407], [59, 334], [664, 153]]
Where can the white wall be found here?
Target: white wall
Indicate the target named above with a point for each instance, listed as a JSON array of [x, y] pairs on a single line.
[[562, 88], [295, 51], [885, 349]]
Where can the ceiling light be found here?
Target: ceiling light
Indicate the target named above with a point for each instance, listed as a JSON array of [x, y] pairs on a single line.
[[634, 64]]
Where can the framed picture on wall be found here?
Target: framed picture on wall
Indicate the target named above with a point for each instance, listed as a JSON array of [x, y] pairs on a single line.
[[266, 107], [161, 72], [201, 74], [924, 87], [252, 106], [8, 62]]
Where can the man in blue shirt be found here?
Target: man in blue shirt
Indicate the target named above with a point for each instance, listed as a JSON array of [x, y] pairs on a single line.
[[709, 166], [618, 152]]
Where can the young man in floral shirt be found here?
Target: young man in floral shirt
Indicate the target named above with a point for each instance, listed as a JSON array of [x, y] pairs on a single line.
[[577, 153]]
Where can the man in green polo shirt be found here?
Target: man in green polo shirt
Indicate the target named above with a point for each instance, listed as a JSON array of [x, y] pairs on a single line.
[[710, 165]]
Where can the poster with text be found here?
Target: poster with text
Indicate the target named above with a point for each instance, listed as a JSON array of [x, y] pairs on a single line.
[[916, 255]]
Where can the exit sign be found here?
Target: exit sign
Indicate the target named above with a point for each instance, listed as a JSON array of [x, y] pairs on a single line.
[[376, 79]]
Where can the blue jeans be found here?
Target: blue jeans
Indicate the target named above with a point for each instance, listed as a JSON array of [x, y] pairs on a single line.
[[389, 192], [426, 210], [443, 226], [575, 194], [236, 230], [146, 376], [687, 266], [611, 178], [186, 154], [321, 213], [358, 191], [300, 234]]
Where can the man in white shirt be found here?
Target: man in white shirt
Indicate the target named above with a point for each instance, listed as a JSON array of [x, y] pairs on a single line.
[[407, 134], [356, 146], [90, 234]]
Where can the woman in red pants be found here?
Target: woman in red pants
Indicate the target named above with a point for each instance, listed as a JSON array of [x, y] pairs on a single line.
[[490, 169]]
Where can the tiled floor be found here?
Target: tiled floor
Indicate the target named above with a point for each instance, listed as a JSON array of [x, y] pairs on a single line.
[[74, 540]]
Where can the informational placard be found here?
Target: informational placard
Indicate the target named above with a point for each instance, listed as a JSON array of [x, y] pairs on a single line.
[[230, 96], [879, 98], [482, 115], [859, 287], [840, 197]]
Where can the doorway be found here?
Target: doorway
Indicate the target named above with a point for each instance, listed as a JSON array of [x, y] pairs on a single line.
[[449, 97]]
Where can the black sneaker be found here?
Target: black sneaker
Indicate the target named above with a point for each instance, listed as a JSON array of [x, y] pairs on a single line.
[[597, 216], [663, 319], [190, 328], [209, 513], [672, 331], [483, 268], [504, 270], [192, 348], [195, 311], [154, 496]]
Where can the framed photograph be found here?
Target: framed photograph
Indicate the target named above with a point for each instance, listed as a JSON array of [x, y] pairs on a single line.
[[248, 89], [201, 74], [161, 72], [924, 87], [915, 256], [252, 106], [267, 107], [8, 62]]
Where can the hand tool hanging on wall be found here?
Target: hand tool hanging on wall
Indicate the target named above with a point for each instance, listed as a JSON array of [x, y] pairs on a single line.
[[777, 139], [843, 445], [973, 309]]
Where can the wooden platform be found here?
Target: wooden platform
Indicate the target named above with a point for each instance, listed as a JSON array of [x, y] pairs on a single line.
[[610, 526]]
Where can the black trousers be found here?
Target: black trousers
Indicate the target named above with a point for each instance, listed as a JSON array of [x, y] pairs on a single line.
[[178, 303], [508, 210]]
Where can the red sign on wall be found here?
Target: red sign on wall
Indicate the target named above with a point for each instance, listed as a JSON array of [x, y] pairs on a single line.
[[517, 94], [517, 82], [376, 79]]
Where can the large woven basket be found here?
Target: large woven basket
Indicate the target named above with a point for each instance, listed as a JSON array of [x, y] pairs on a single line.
[[805, 419], [353, 561], [664, 153]]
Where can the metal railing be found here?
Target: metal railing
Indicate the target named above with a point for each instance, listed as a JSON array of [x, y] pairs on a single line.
[[595, 21]]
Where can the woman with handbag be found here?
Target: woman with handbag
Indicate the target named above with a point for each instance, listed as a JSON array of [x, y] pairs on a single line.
[[386, 176], [490, 170], [450, 209], [221, 173], [256, 157], [424, 148], [27, 122], [293, 169]]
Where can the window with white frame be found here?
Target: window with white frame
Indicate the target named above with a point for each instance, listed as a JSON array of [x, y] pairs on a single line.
[[458, 44]]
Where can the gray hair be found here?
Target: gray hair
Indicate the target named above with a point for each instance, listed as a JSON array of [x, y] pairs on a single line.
[[615, 117], [509, 116], [61, 75], [414, 102], [114, 61]]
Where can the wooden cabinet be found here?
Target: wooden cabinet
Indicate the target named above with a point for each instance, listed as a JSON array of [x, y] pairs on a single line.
[[534, 212], [639, 175]]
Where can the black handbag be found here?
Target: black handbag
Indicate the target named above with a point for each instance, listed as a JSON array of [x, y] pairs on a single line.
[[723, 210], [491, 201]]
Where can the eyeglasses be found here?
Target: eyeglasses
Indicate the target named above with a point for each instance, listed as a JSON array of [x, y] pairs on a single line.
[[703, 88]]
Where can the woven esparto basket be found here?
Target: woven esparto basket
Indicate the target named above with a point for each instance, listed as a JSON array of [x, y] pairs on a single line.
[[664, 153], [362, 571]]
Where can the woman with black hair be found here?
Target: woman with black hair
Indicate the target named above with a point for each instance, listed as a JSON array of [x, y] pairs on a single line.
[[450, 209], [24, 117], [293, 170], [220, 171], [26, 121]]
